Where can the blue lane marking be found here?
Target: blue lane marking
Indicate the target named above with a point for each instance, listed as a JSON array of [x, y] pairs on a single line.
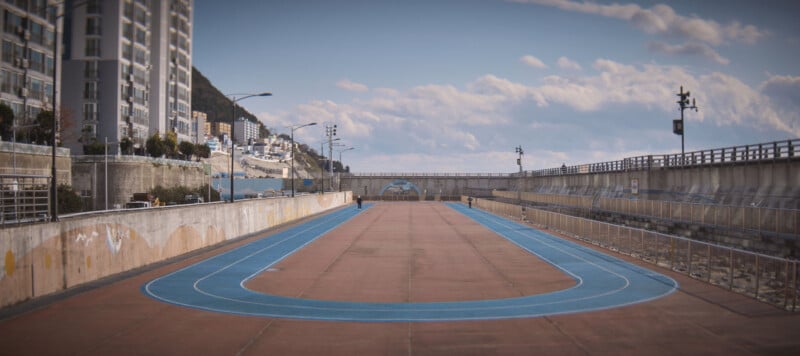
[[217, 284]]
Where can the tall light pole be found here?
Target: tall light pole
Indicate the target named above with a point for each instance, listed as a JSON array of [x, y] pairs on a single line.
[[678, 127], [56, 58], [233, 120], [292, 129], [519, 163], [340, 162]]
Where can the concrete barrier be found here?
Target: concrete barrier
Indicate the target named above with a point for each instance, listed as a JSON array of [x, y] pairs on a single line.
[[41, 259]]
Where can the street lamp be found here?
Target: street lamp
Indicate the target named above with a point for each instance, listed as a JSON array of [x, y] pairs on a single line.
[[292, 128], [340, 162], [233, 120]]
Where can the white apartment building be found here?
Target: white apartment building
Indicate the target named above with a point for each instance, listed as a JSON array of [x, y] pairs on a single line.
[[127, 70], [27, 62], [244, 130]]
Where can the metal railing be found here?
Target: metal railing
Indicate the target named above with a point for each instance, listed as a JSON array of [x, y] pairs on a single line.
[[772, 151], [423, 174], [769, 279], [783, 222], [24, 198]]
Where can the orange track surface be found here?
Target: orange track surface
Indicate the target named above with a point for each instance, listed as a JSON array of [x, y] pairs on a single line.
[[398, 252]]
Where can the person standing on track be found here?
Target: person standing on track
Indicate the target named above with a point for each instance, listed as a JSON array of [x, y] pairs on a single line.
[[358, 200]]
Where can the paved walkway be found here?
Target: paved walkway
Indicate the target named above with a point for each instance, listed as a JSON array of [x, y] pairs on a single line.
[[399, 254]]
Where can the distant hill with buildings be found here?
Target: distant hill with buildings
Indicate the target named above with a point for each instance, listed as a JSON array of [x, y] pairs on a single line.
[[208, 99]]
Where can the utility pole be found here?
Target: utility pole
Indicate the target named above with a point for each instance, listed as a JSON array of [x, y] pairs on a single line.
[[678, 126]]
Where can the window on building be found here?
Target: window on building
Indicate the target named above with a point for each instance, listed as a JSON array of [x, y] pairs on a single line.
[[127, 31], [90, 111], [93, 47], [90, 90], [90, 69], [94, 7], [93, 26]]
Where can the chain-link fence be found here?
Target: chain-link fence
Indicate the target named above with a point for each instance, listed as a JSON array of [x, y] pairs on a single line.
[[770, 279]]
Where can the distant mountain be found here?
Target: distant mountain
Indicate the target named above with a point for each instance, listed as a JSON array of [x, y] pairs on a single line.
[[208, 99]]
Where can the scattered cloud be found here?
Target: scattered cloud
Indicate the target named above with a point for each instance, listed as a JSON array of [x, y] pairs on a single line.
[[533, 62], [692, 49], [445, 127], [662, 20], [347, 84], [566, 63]]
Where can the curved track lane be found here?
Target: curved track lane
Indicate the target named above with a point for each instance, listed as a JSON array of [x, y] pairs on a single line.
[[218, 284]]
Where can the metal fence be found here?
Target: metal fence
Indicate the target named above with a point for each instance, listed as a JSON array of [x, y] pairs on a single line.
[[769, 279], [24, 198], [783, 222], [772, 151]]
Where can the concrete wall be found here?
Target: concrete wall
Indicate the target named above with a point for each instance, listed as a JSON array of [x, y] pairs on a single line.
[[35, 159], [773, 184], [766, 184], [429, 187], [40, 259], [130, 174]]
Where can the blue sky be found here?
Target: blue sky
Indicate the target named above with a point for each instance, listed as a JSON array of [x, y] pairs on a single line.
[[456, 85]]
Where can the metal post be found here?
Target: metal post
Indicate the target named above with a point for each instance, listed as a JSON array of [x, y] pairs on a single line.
[[105, 175], [292, 130], [53, 183], [233, 150]]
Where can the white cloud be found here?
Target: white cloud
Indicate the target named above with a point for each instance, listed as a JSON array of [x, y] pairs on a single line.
[[566, 63], [662, 20], [349, 85], [694, 49], [533, 62], [448, 128]]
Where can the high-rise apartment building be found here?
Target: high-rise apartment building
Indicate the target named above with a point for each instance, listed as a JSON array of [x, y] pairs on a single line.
[[127, 70], [27, 62], [244, 131]]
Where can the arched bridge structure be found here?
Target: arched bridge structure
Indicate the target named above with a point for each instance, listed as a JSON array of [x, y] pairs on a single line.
[[424, 186]]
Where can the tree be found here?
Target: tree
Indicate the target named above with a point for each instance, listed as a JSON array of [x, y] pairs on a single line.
[[202, 150], [126, 146], [68, 200], [6, 122], [94, 148], [187, 149], [170, 142], [43, 132], [155, 147]]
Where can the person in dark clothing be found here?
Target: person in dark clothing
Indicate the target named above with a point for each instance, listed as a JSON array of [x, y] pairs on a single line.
[[469, 201], [358, 200]]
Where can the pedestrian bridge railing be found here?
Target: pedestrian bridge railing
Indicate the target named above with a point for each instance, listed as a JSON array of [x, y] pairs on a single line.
[[762, 152], [767, 278]]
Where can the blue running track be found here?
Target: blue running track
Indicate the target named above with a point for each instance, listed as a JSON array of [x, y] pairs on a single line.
[[217, 284]]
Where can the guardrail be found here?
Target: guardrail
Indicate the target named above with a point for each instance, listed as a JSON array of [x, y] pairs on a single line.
[[24, 198], [784, 222], [769, 279], [772, 151]]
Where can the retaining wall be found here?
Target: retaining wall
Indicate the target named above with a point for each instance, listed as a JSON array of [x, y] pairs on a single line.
[[41, 259]]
